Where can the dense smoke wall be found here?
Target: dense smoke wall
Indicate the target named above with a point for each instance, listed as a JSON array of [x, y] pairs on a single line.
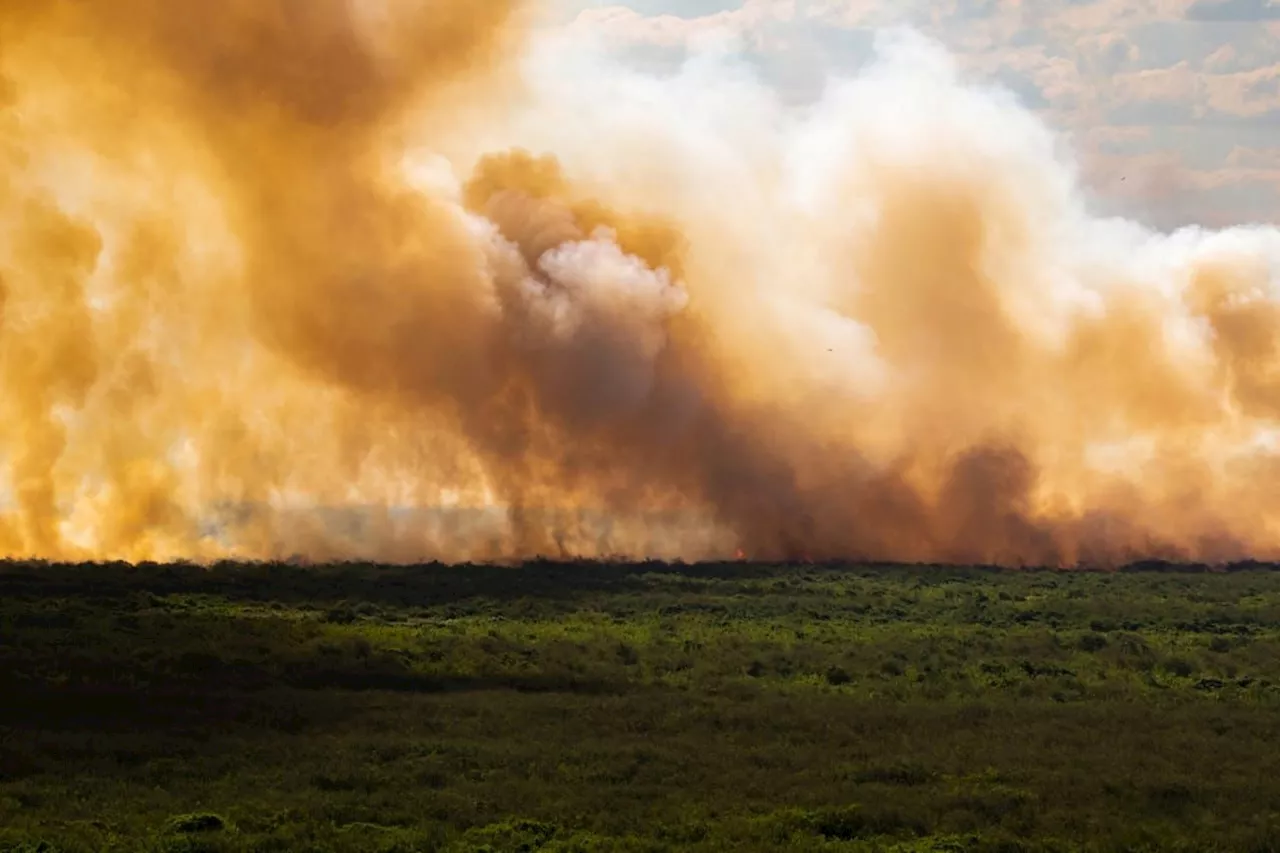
[[408, 280]]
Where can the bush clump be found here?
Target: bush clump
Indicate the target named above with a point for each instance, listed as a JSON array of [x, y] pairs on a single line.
[[200, 822], [1092, 643], [1180, 667], [837, 675]]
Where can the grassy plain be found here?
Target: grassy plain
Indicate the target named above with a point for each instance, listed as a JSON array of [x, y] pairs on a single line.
[[637, 707]]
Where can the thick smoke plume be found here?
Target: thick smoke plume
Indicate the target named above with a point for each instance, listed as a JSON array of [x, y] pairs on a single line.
[[417, 279]]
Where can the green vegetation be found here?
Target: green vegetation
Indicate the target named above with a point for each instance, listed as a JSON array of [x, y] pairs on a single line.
[[640, 707]]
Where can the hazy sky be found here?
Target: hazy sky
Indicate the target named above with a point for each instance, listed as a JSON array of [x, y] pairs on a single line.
[[1172, 106]]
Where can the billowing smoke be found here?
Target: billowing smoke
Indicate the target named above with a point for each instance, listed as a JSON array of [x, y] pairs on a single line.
[[417, 279]]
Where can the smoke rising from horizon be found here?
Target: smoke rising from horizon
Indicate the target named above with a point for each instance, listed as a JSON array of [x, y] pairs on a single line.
[[261, 260]]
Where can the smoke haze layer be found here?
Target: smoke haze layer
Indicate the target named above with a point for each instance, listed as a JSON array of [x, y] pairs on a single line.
[[420, 279]]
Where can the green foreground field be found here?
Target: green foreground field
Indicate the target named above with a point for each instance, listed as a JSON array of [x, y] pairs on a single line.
[[640, 707]]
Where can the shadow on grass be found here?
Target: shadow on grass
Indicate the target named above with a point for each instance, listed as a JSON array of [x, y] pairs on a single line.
[[437, 583], [319, 697], [422, 585]]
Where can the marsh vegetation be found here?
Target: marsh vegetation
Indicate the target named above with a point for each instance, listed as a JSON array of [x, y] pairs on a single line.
[[638, 707]]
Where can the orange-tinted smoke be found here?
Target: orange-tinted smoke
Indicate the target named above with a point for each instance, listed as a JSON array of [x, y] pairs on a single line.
[[232, 326]]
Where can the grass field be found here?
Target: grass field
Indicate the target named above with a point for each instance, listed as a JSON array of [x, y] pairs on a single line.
[[639, 707]]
